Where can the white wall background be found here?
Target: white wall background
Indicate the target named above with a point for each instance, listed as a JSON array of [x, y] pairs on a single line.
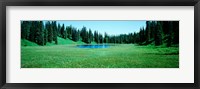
[[183, 74]]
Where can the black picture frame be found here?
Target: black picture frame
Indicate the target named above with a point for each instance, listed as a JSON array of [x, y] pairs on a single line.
[[4, 3]]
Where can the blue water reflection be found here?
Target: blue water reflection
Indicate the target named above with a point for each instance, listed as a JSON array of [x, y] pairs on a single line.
[[93, 46]]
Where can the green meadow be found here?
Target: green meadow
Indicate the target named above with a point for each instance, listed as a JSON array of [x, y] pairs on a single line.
[[67, 55], [99, 44]]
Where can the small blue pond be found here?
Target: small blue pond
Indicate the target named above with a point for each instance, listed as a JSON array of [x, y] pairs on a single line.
[[93, 46]]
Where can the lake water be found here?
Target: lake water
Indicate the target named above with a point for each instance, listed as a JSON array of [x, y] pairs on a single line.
[[93, 46]]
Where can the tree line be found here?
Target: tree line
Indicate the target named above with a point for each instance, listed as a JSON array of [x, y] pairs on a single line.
[[155, 32], [158, 32]]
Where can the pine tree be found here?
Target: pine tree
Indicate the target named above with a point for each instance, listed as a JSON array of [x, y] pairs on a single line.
[[59, 30], [84, 35], [41, 33], [45, 36], [54, 27], [37, 35], [106, 38], [169, 34], [148, 29], [175, 32], [96, 37], [74, 34], [152, 27], [50, 31], [100, 38], [32, 32], [69, 32], [23, 30], [158, 34], [90, 36], [62, 31], [78, 35]]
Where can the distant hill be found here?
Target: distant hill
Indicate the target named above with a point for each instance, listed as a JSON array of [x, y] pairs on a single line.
[[25, 42], [61, 41]]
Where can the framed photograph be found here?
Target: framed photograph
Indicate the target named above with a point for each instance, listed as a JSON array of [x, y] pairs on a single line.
[[99, 44]]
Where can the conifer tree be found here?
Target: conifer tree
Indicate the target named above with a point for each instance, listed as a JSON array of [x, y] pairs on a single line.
[[62, 31], [158, 34]]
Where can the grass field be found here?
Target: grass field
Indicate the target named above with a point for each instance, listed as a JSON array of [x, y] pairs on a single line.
[[118, 56]]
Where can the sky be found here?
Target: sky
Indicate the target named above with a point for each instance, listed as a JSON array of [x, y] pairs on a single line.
[[110, 27]]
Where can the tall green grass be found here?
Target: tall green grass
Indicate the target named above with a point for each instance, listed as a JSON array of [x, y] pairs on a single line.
[[117, 56]]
